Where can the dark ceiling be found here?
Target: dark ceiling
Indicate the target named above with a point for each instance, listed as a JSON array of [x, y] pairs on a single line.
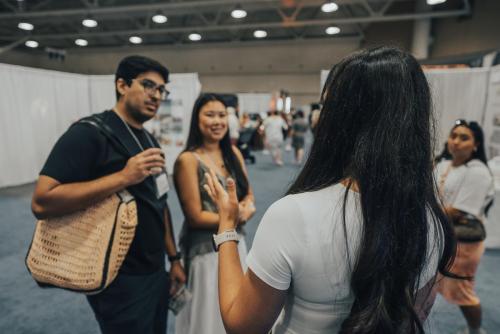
[[58, 23]]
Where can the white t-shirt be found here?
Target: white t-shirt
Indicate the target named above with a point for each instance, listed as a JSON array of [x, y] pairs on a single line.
[[234, 126], [468, 188], [273, 126], [300, 245]]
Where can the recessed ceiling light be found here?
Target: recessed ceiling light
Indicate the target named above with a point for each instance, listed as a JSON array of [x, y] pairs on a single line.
[[31, 44], [435, 2], [81, 42], [329, 7], [89, 23], [25, 26], [238, 13], [194, 37], [159, 18], [135, 40], [259, 34], [332, 30]]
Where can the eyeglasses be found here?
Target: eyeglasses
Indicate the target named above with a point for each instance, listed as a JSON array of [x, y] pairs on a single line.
[[150, 88]]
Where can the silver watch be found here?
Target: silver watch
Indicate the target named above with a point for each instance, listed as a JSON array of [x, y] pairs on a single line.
[[219, 239]]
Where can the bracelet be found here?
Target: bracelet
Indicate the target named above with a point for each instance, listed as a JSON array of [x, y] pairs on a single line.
[[175, 257]]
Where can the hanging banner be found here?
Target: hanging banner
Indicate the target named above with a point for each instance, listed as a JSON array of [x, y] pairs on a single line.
[[492, 114], [171, 124]]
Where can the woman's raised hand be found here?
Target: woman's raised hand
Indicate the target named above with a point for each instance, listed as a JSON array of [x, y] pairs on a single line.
[[226, 201]]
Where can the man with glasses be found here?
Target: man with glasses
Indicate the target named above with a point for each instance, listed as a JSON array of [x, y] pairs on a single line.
[[84, 168]]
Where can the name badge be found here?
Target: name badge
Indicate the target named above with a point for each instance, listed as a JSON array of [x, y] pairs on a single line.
[[162, 185]]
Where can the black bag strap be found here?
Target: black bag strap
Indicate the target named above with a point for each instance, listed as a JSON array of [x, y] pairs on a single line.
[[108, 132]]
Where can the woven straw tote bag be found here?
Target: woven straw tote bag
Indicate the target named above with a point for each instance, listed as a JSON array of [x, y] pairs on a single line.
[[83, 251]]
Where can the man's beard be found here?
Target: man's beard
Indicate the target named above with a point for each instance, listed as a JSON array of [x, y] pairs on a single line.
[[136, 114]]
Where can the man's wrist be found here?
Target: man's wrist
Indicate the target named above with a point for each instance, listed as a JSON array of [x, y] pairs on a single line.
[[122, 179], [175, 258]]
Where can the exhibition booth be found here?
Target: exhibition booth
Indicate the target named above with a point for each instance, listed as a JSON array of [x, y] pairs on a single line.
[[39, 105], [472, 94]]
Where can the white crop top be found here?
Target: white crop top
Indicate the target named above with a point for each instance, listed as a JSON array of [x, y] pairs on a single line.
[[300, 246]]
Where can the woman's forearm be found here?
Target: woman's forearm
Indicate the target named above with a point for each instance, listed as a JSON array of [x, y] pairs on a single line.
[[230, 274], [203, 220]]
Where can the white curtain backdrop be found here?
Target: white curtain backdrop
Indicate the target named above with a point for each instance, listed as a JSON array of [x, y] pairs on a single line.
[[492, 136], [254, 103], [492, 114], [37, 106], [35, 109], [457, 93], [102, 94], [323, 76]]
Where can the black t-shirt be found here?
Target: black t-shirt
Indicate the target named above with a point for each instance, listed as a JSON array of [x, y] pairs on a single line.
[[83, 154]]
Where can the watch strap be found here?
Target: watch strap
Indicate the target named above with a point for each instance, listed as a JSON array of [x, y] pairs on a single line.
[[175, 257], [229, 235]]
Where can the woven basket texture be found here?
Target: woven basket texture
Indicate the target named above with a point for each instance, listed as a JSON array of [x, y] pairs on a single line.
[[70, 252]]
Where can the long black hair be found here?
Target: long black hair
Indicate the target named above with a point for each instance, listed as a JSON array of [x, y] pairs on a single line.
[[375, 130], [477, 132], [195, 140]]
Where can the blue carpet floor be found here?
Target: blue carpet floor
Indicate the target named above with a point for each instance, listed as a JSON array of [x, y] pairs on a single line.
[[25, 308]]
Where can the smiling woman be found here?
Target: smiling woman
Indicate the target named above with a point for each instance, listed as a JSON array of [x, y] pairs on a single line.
[[208, 149], [466, 187]]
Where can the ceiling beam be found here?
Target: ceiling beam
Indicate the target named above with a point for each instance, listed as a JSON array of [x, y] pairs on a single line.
[[40, 5], [219, 45], [138, 8], [263, 25], [13, 44], [170, 7], [9, 6]]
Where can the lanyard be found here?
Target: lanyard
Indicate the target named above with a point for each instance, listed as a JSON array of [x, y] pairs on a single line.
[[140, 146], [134, 136]]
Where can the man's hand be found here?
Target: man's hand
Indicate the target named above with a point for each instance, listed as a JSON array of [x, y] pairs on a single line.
[[142, 165], [177, 277]]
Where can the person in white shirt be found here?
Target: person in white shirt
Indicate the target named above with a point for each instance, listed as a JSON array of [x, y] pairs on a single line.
[[356, 244], [273, 128], [234, 125], [466, 186]]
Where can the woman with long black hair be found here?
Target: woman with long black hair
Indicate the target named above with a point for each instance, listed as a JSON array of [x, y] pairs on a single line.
[[208, 148], [466, 186], [356, 244]]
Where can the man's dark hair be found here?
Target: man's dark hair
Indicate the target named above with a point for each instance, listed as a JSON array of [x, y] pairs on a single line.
[[132, 66]]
